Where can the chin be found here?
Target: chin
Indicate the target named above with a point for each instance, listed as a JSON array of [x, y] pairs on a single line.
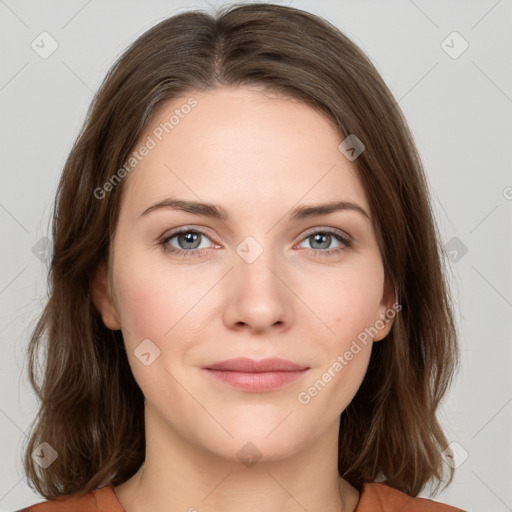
[[256, 444]]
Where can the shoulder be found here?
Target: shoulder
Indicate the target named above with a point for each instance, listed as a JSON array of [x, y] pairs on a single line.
[[103, 499], [379, 497]]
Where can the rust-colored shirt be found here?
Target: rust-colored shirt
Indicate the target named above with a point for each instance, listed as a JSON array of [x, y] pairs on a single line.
[[375, 497]]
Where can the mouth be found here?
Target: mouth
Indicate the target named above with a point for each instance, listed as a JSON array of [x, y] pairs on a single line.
[[256, 376]]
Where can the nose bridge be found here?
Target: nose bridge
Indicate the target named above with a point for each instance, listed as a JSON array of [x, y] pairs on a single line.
[[258, 296], [257, 263]]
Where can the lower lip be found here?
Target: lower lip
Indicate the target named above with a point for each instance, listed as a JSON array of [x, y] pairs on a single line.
[[256, 382]]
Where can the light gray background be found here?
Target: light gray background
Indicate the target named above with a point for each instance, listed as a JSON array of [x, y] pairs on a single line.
[[459, 110]]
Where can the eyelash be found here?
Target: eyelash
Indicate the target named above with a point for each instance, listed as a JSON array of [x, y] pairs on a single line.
[[164, 243]]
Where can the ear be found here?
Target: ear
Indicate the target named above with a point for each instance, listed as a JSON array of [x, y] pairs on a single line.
[[102, 298], [388, 309]]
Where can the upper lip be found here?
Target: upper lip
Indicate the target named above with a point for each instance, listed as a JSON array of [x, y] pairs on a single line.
[[247, 365]]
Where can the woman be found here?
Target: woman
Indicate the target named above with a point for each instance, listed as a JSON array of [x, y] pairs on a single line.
[[203, 352]]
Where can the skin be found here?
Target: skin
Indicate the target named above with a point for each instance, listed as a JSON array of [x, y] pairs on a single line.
[[257, 155]]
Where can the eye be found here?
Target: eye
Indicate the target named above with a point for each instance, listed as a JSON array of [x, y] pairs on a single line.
[[322, 239], [189, 242]]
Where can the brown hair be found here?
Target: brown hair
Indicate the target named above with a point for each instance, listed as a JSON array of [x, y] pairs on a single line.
[[91, 409]]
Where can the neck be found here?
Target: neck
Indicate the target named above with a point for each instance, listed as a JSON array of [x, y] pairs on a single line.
[[177, 475]]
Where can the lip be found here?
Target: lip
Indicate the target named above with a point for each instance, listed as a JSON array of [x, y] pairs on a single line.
[[247, 365], [256, 376]]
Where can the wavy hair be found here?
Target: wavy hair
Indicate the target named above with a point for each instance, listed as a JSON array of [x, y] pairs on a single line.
[[91, 410]]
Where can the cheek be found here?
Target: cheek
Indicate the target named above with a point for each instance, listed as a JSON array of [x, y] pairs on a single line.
[[348, 301], [349, 305], [152, 299], [164, 303], [155, 299], [157, 305]]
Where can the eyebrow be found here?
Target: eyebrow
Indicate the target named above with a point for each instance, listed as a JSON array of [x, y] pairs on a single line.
[[217, 212]]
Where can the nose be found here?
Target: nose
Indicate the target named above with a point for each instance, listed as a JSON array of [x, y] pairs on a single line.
[[257, 297]]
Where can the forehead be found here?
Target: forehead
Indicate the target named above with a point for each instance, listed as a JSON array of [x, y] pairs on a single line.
[[244, 148]]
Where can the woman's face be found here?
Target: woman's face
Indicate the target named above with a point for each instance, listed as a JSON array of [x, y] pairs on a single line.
[[256, 284]]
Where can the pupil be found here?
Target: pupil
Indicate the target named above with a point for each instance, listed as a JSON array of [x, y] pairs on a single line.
[[319, 237], [190, 238]]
